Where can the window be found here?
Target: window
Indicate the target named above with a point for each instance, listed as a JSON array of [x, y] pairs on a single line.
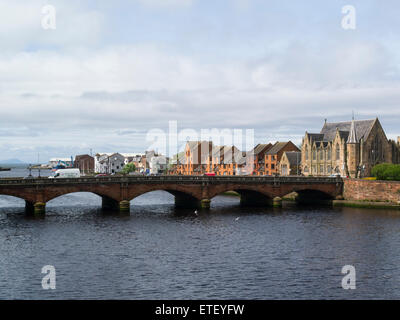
[[321, 155], [306, 151], [314, 155], [272, 166], [329, 154], [337, 152], [329, 169], [321, 168]]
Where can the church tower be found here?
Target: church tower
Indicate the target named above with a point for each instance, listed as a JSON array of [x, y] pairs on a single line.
[[353, 152]]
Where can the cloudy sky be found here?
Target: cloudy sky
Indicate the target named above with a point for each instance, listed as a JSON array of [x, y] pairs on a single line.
[[112, 71]]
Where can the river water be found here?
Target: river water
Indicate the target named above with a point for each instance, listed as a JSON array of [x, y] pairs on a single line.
[[228, 252]]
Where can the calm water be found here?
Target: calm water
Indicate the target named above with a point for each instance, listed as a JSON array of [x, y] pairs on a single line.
[[157, 252]]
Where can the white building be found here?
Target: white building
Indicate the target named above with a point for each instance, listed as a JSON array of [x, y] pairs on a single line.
[[109, 163], [132, 157], [158, 164]]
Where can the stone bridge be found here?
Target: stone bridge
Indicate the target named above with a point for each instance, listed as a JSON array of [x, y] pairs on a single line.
[[189, 191]]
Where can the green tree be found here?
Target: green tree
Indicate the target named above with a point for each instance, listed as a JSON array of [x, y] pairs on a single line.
[[128, 168], [386, 171]]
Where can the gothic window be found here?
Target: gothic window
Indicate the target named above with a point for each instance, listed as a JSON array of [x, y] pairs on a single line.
[[376, 153], [314, 156], [329, 169], [329, 153], [337, 152], [306, 153], [321, 154], [321, 168]]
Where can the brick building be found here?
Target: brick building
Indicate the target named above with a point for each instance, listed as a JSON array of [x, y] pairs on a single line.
[[273, 156], [85, 163]]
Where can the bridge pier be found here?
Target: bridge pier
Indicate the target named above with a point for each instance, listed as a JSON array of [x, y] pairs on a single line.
[[114, 205], [39, 208], [124, 206], [277, 202], [205, 204]]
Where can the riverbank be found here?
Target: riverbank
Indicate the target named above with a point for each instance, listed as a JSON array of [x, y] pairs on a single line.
[[365, 204]]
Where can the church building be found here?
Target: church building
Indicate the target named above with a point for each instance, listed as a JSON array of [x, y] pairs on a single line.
[[349, 148]]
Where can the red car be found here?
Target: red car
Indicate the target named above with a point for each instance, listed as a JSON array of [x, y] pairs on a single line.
[[210, 174]]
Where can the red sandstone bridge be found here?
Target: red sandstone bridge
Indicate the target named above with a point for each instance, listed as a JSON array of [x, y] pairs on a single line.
[[189, 191]]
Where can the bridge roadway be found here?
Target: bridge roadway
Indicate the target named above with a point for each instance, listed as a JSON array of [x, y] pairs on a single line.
[[189, 191]]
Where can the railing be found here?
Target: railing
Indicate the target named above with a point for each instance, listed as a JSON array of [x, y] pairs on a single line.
[[171, 179]]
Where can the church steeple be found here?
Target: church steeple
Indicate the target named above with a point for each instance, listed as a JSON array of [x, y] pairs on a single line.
[[352, 135]]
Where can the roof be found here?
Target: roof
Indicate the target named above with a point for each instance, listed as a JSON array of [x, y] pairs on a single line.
[[362, 129], [294, 157], [260, 147], [277, 147]]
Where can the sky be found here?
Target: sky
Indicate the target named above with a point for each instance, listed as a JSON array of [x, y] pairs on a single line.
[[113, 71]]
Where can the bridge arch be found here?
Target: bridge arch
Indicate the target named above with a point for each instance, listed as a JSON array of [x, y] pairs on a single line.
[[184, 196], [75, 193], [249, 195], [11, 193], [313, 196], [100, 191]]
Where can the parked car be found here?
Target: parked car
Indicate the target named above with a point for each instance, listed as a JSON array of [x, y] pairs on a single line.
[[101, 175], [210, 174]]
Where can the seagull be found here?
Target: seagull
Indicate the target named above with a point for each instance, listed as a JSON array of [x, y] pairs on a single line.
[[195, 212], [237, 219]]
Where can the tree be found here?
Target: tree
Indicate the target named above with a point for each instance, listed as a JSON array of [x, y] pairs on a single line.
[[386, 171], [128, 168]]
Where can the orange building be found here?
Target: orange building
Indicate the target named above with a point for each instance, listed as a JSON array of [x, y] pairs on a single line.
[[196, 157], [224, 160], [258, 154], [273, 156]]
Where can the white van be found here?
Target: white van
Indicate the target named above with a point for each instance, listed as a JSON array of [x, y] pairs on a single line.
[[66, 173]]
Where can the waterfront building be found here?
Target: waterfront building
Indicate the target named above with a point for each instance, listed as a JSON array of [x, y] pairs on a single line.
[[349, 148], [290, 163], [158, 164], [258, 155], [274, 155], [85, 163], [197, 156], [109, 163], [224, 160]]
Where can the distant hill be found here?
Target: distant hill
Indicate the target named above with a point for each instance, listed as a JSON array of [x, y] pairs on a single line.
[[11, 161]]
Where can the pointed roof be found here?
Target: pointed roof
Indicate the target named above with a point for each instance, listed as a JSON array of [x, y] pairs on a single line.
[[362, 128], [278, 146], [294, 157], [352, 135]]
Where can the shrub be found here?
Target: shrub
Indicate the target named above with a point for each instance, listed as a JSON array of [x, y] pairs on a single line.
[[386, 171]]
